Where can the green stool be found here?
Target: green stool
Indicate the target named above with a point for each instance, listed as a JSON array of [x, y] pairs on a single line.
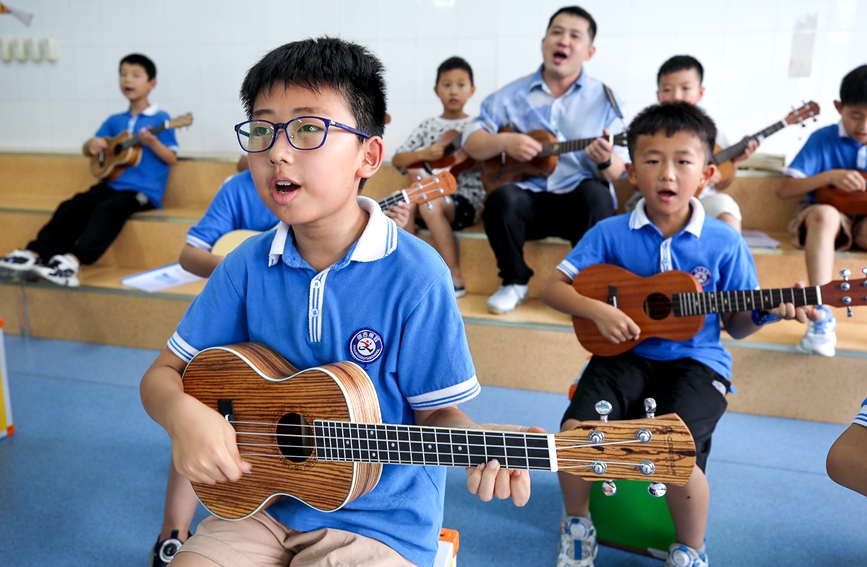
[[632, 519]]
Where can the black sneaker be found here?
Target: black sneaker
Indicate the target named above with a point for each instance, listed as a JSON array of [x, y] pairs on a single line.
[[164, 551]]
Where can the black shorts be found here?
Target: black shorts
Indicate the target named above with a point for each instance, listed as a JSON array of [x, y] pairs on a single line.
[[465, 214], [684, 386]]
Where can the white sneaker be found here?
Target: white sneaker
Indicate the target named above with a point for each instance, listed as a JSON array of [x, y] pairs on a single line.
[[821, 336], [577, 542], [18, 263], [507, 298], [680, 555], [62, 269]]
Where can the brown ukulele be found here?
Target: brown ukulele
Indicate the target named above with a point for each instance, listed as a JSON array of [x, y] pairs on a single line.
[[316, 435], [124, 150], [672, 306], [853, 203], [454, 159], [722, 157], [503, 169], [424, 191]]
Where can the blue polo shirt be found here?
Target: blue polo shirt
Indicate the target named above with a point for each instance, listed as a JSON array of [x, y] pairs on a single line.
[[236, 206], [707, 248], [150, 175], [581, 112], [391, 292], [861, 418], [827, 148]]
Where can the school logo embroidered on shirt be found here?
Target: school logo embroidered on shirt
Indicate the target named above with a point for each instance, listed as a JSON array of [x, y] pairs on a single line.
[[365, 346], [702, 274]]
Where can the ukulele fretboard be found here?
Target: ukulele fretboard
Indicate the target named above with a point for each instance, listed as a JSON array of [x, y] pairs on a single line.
[[392, 200], [687, 304], [727, 154], [435, 446], [557, 148]]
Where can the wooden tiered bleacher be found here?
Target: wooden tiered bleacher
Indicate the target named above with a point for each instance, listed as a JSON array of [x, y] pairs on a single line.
[[531, 348]]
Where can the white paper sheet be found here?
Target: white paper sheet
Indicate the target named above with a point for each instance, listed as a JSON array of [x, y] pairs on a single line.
[[759, 239], [160, 278]]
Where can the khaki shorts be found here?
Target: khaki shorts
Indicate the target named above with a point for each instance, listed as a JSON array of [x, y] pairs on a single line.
[[853, 229], [718, 204], [260, 540]]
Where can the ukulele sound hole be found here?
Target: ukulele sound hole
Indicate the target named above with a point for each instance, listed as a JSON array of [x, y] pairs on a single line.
[[295, 437], [657, 306]]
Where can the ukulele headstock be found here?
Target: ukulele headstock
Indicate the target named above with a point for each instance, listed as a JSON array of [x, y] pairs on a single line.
[[440, 185], [658, 450], [799, 115], [181, 121], [846, 293]]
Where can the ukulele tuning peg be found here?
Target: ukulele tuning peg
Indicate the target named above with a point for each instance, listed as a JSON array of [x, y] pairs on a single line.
[[603, 408], [609, 488], [447, 200], [646, 468], [598, 467], [657, 489], [845, 273], [650, 407], [429, 206]]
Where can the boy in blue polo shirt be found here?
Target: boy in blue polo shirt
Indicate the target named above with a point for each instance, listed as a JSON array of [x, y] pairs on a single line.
[[671, 146], [834, 155], [236, 206], [83, 227], [335, 273]]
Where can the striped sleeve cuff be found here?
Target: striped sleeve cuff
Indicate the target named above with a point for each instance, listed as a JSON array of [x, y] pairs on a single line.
[[861, 418], [450, 396], [568, 269], [182, 348], [796, 173], [198, 243]]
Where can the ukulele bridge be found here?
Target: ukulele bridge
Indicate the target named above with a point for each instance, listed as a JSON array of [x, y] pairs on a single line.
[[612, 296]]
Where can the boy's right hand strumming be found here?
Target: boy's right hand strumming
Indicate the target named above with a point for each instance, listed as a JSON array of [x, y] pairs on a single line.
[[95, 145], [432, 152], [613, 324], [848, 180]]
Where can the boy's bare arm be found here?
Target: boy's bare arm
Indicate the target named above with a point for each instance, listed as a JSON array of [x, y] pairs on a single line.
[[430, 153], [847, 460], [165, 154], [199, 261], [482, 145], [486, 480], [613, 324], [203, 442], [843, 179]]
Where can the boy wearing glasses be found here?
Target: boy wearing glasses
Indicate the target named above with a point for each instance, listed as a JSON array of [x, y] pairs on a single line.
[[334, 271], [83, 227]]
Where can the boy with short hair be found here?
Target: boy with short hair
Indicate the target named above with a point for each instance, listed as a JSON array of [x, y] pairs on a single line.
[[834, 155], [670, 146], [83, 227], [335, 267], [680, 79], [454, 86]]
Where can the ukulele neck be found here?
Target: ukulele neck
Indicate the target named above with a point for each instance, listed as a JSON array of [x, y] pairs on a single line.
[[136, 140], [393, 199], [688, 304], [434, 446], [730, 152], [557, 148]]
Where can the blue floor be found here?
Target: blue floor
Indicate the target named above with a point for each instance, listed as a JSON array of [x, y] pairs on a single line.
[[83, 477]]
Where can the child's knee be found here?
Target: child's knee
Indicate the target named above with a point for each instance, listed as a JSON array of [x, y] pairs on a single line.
[[823, 217]]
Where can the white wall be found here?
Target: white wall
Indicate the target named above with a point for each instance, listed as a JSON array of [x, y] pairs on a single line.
[[202, 49]]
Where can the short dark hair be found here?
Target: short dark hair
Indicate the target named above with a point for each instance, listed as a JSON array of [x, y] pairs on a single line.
[[853, 89], [578, 12], [672, 117], [681, 63], [144, 61], [324, 62], [453, 63]]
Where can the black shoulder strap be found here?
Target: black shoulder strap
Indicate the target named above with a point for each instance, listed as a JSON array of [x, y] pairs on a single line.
[[612, 100]]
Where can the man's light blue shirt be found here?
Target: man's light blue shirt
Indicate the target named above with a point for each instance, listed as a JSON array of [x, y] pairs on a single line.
[[583, 111]]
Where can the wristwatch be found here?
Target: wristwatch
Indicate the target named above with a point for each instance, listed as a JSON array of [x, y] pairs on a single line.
[[763, 318], [604, 165]]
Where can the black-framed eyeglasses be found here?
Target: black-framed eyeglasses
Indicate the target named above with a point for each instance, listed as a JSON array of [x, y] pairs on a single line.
[[302, 133]]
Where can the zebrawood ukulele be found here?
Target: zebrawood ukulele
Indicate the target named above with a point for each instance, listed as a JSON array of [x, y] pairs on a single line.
[[722, 157], [423, 191], [454, 159], [849, 202], [124, 150], [672, 306], [316, 435], [503, 169]]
